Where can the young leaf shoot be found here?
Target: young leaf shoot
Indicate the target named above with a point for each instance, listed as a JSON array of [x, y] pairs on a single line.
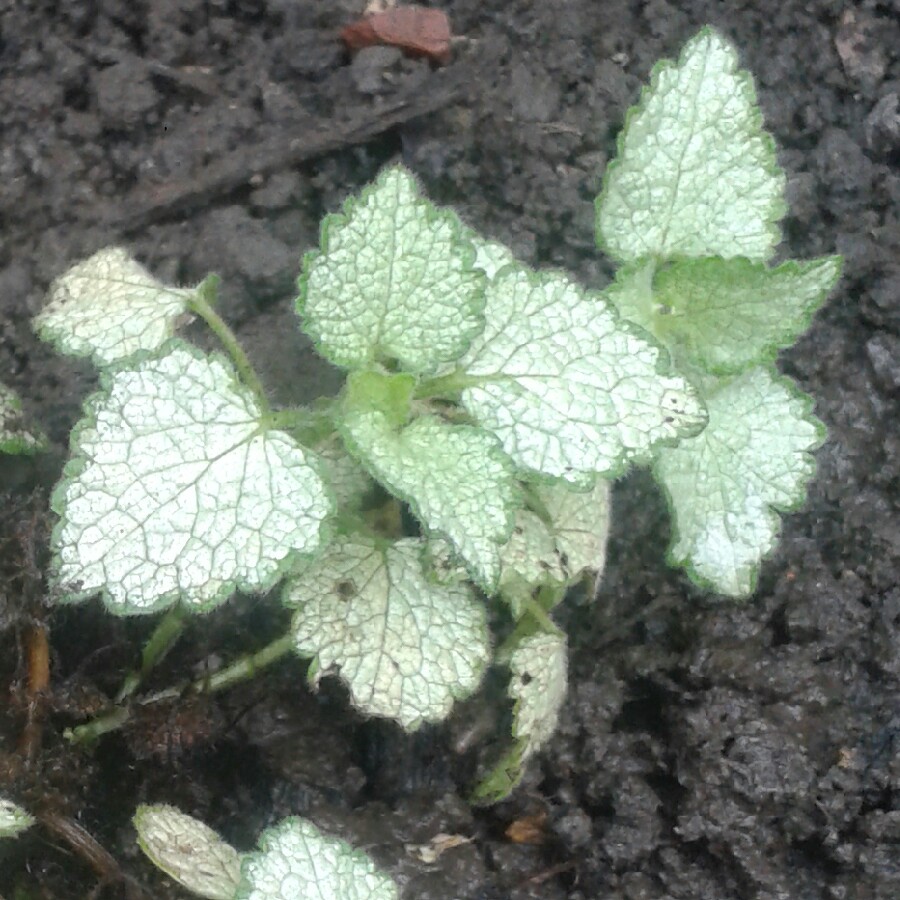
[[691, 207]]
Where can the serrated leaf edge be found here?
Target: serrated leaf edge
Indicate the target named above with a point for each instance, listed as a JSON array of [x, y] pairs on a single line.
[[768, 353], [358, 452], [316, 672], [76, 465], [779, 209], [267, 841], [56, 335], [774, 513], [665, 367], [462, 244]]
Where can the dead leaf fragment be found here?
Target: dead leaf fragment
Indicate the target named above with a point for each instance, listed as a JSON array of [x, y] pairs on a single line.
[[529, 829], [416, 30], [439, 844]]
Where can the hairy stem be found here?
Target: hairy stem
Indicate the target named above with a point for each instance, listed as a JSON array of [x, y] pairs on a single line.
[[448, 386], [246, 667], [90, 731], [308, 425], [242, 669], [164, 637], [548, 597], [202, 305]]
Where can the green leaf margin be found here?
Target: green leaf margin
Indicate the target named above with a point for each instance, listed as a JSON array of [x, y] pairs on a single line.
[[433, 212], [774, 513], [779, 210], [76, 465]]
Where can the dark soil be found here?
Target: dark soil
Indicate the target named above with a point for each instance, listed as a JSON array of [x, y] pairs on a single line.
[[707, 749]]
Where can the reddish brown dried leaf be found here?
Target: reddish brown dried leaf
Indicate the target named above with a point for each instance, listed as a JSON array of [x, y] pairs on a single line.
[[528, 829], [359, 34], [416, 30]]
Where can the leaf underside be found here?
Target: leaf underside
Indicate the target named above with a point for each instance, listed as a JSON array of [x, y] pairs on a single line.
[[189, 851], [556, 552], [538, 688]]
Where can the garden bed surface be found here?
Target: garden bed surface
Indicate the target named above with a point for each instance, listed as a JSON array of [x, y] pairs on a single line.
[[707, 749]]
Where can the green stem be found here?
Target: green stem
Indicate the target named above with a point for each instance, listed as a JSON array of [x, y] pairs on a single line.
[[240, 670], [246, 667], [536, 504], [164, 637], [90, 731], [202, 305], [538, 610], [449, 386], [309, 426], [642, 286]]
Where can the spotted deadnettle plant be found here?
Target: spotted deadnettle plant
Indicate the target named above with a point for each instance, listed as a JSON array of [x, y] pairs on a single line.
[[493, 402]]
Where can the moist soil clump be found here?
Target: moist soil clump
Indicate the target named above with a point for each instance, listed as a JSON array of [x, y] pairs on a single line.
[[706, 749]]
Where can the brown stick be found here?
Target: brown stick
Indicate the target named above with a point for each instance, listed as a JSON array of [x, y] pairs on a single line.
[[37, 654], [38, 651], [30, 535], [196, 78], [305, 141], [91, 851]]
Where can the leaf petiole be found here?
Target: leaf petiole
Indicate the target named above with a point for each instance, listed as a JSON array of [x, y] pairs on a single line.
[[242, 669], [164, 637], [201, 303]]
